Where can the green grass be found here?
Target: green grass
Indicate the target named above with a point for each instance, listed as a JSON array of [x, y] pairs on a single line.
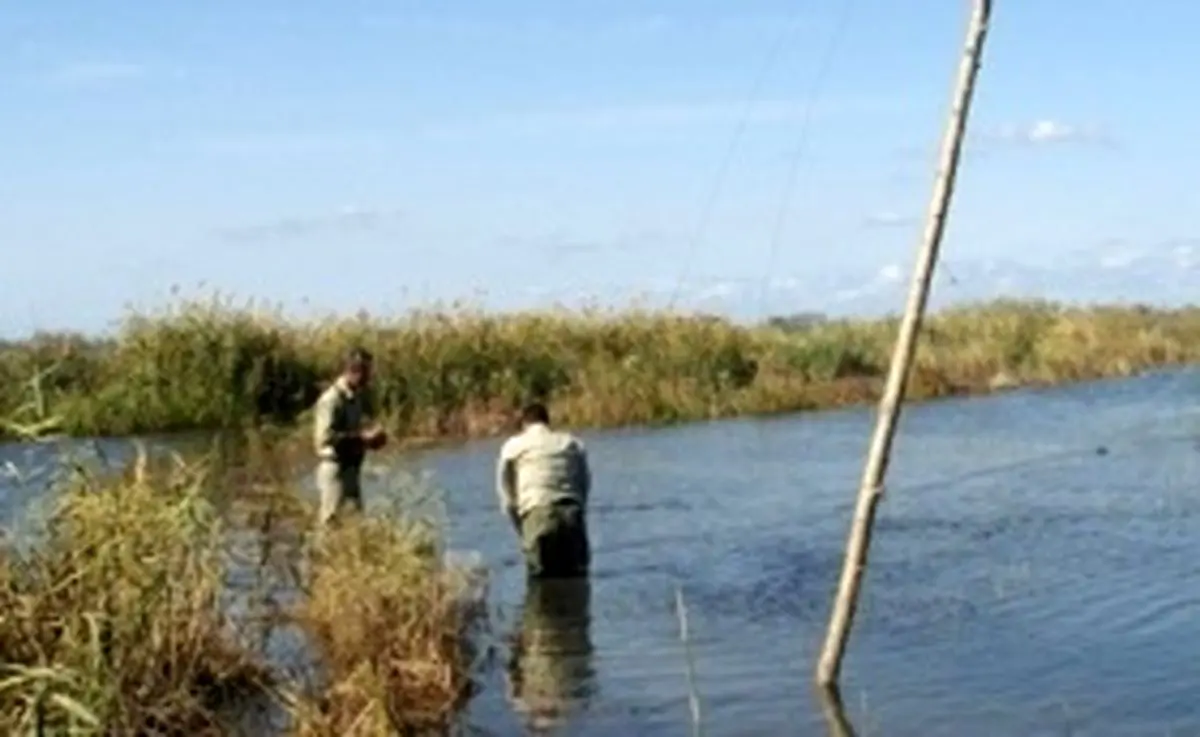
[[120, 618], [455, 373]]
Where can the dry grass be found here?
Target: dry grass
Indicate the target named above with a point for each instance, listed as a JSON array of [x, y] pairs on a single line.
[[114, 621], [456, 373], [390, 633], [118, 620]]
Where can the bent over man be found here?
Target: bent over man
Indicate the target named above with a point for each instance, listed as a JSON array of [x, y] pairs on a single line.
[[544, 480], [342, 438]]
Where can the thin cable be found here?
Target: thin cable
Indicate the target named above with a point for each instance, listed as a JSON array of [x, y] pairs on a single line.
[[802, 142], [1132, 430], [709, 204]]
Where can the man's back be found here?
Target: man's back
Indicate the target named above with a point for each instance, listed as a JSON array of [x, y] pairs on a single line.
[[547, 466]]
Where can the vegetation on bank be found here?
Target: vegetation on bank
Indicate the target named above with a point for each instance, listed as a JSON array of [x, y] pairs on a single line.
[[145, 608], [209, 365]]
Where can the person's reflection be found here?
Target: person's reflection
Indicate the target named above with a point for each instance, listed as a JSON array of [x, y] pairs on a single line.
[[550, 672]]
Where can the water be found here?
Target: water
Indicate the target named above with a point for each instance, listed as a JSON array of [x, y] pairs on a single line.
[[1032, 573]]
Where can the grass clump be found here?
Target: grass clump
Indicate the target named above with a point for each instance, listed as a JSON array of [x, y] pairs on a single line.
[[137, 611], [113, 624], [454, 373], [389, 630]]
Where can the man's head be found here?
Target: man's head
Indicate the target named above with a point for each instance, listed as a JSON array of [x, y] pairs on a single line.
[[534, 413], [357, 368]]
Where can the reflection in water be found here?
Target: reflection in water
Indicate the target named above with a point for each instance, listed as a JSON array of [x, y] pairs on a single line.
[[551, 671], [836, 721], [1013, 567]]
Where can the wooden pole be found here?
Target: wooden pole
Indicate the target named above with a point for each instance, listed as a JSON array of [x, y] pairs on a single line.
[[859, 539]]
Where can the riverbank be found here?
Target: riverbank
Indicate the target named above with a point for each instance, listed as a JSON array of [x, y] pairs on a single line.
[[445, 375], [152, 606]]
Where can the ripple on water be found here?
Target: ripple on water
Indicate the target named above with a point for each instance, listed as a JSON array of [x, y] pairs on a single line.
[[1019, 584]]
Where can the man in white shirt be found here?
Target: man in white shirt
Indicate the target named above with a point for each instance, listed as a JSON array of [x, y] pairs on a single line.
[[544, 480]]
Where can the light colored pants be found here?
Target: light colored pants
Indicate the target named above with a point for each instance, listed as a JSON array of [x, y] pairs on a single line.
[[340, 487]]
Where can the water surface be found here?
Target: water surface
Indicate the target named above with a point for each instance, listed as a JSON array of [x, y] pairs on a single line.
[[1033, 571]]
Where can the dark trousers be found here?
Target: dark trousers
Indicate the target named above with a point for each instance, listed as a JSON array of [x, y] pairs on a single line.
[[555, 542]]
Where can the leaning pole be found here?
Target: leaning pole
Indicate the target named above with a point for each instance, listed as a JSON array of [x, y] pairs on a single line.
[[859, 540]]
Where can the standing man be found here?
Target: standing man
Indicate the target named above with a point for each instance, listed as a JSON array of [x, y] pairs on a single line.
[[342, 437], [544, 481]]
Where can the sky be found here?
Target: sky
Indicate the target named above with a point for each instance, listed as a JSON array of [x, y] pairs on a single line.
[[752, 157]]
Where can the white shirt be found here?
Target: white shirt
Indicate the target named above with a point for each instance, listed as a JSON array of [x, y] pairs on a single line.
[[541, 466]]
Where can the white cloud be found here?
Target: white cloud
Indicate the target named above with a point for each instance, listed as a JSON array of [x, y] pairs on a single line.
[[719, 290], [559, 244], [565, 29], [346, 219], [1121, 259], [886, 278], [97, 73], [291, 143], [1049, 132], [653, 115], [784, 284], [890, 274], [850, 294], [530, 27], [1186, 254], [1115, 269], [888, 219]]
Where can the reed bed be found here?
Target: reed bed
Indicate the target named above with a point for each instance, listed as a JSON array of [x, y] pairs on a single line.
[[118, 618], [389, 631], [457, 372]]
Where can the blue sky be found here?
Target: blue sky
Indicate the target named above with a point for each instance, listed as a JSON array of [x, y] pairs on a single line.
[[381, 154]]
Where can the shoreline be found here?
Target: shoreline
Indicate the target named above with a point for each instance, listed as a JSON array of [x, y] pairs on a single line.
[[444, 379], [411, 444], [414, 443], [421, 443]]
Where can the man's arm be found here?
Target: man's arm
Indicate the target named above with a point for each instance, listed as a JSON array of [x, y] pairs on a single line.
[[372, 430], [506, 481]]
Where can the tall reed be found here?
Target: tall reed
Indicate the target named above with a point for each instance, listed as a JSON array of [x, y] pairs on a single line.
[[217, 364], [113, 622], [134, 612], [389, 630]]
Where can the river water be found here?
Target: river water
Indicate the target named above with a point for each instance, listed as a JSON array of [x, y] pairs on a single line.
[[1034, 572]]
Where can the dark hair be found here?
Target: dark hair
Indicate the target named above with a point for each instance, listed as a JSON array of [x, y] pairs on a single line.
[[358, 357], [535, 412]]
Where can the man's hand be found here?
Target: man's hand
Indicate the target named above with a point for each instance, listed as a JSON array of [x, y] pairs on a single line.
[[374, 437]]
